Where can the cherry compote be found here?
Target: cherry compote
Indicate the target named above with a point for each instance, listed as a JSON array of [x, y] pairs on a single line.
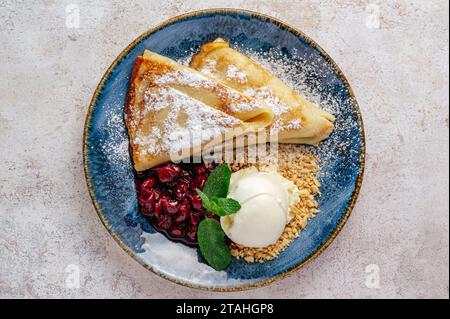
[[167, 197]]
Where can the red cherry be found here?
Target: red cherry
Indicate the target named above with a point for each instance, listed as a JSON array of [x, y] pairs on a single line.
[[164, 222], [184, 211], [196, 201], [193, 186], [168, 172], [191, 233], [158, 209], [151, 194], [180, 189], [165, 199], [201, 180], [171, 206], [200, 170], [177, 231], [148, 199], [194, 218], [148, 183], [186, 176]]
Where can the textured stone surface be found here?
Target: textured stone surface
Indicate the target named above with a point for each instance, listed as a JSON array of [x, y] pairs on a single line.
[[396, 62]]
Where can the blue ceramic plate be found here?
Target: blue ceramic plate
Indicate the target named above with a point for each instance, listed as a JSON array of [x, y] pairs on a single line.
[[109, 171]]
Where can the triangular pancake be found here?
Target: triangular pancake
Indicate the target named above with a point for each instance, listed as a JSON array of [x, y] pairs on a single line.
[[296, 119], [173, 111]]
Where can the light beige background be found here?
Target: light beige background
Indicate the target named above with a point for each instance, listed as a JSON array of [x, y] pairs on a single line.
[[396, 62]]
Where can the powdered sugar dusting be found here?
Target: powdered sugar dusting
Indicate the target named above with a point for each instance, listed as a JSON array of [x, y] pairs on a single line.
[[265, 95], [245, 105], [209, 67], [186, 59], [201, 122], [115, 145], [294, 124], [185, 77], [233, 73]]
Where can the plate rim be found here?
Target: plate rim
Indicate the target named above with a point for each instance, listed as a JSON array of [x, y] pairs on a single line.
[[282, 25]]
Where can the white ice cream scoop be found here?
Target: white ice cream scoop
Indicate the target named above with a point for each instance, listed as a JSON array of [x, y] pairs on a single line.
[[265, 199]]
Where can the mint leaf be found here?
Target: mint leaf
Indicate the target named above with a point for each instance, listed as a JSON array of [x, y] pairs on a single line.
[[227, 206], [219, 206], [218, 182], [207, 203], [212, 245]]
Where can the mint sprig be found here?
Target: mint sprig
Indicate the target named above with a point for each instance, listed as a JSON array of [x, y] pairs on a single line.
[[215, 192], [210, 236]]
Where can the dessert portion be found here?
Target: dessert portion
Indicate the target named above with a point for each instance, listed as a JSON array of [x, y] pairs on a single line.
[[266, 199], [297, 120], [173, 111], [245, 210]]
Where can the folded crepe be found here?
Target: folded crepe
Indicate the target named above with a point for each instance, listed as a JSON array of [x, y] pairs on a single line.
[[296, 119], [173, 111]]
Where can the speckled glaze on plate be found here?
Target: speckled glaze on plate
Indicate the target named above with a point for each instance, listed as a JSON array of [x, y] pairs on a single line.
[[109, 172]]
